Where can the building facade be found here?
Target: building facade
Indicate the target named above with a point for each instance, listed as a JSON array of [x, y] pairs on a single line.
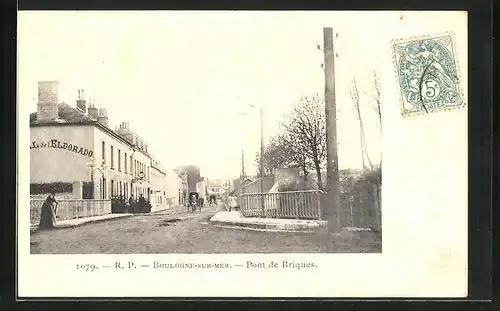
[[201, 189], [167, 186], [74, 144], [174, 187], [215, 187]]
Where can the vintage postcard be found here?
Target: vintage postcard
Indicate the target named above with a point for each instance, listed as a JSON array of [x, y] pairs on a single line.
[[242, 154]]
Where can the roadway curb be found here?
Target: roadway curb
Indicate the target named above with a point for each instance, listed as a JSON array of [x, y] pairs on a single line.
[[270, 227], [65, 226], [225, 226]]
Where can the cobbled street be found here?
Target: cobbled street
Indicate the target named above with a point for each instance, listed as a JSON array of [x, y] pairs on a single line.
[[177, 231]]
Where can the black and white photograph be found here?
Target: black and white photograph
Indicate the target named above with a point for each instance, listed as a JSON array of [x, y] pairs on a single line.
[[229, 144], [202, 140]]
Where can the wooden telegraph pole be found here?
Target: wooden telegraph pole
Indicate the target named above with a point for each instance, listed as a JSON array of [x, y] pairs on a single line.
[[332, 206]]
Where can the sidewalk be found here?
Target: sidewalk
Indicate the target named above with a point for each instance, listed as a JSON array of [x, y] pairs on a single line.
[[81, 221], [234, 219]]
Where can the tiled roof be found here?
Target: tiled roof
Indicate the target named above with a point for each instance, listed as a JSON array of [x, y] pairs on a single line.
[[70, 115], [268, 183], [67, 114]]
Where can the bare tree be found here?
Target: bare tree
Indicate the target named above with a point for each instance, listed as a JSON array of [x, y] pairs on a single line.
[[355, 100], [274, 157], [378, 110], [281, 152], [376, 97], [305, 131], [294, 153], [377, 105]]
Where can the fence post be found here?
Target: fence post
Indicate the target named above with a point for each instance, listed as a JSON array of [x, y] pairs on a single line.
[[376, 206], [318, 204], [351, 219]]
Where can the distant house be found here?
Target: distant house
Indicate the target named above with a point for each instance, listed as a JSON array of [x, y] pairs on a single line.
[[312, 180], [215, 187], [255, 185], [193, 176], [237, 185]]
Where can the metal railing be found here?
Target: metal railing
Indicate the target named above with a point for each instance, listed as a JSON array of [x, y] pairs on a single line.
[[71, 209], [289, 204], [359, 209]]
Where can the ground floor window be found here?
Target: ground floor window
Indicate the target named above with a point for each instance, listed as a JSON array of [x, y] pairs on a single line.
[[103, 188]]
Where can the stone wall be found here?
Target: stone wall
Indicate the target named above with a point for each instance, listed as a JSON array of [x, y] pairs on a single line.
[[288, 177]]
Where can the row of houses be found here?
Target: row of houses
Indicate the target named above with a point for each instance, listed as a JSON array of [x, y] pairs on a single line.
[[193, 181], [75, 153]]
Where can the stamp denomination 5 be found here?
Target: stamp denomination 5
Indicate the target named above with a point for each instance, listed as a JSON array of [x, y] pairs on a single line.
[[428, 74]]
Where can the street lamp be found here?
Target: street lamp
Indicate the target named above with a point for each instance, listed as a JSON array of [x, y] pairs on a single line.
[[140, 177], [95, 166], [261, 153]]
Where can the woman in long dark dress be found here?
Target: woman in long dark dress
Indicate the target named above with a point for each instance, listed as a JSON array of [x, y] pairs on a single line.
[[48, 217]]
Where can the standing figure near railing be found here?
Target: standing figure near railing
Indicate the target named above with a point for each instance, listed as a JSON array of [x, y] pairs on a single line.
[[48, 214], [232, 202]]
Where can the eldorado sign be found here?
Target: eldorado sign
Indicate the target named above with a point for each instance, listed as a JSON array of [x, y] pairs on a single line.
[[56, 144]]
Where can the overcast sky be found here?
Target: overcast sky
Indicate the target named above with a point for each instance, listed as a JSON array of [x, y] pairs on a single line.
[[181, 78]]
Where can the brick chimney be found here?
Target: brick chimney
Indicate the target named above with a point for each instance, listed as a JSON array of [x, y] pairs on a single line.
[[125, 131], [48, 101], [92, 111], [103, 117], [81, 104]]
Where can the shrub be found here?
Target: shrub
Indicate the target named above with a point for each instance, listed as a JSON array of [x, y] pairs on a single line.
[[117, 205], [88, 190], [147, 207], [293, 186], [358, 196], [56, 187], [136, 208]]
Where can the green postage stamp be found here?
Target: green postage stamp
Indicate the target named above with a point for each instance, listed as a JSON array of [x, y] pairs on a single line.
[[427, 73]]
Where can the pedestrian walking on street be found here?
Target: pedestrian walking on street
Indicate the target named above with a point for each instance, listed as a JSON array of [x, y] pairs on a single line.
[[213, 201], [232, 202], [48, 214], [202, 203], [193, 202], [131, 203]]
